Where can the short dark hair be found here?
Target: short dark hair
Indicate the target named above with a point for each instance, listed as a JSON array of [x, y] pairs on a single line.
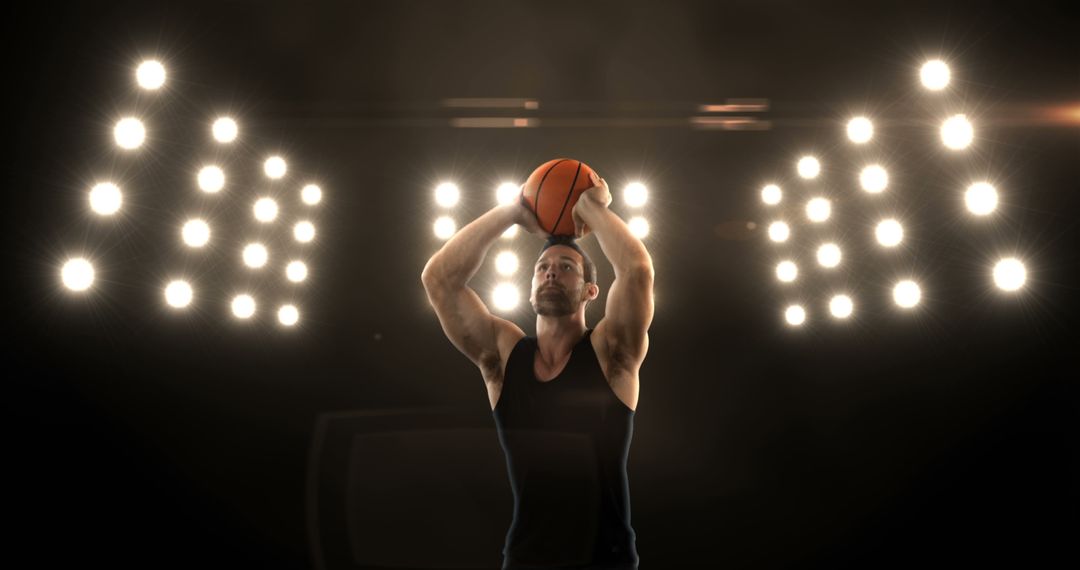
[[568, 241]]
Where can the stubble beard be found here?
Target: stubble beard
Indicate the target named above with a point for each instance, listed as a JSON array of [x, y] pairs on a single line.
[[553, 303]]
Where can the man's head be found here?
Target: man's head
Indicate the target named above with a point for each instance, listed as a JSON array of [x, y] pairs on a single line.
[[564, 278]]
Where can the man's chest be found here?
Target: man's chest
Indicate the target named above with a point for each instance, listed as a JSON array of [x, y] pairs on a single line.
[[621, 378]]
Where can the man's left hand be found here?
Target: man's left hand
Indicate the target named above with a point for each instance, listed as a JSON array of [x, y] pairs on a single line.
[[598, 195]]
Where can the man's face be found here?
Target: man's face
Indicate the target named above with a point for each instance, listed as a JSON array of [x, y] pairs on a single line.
[[558, 282]]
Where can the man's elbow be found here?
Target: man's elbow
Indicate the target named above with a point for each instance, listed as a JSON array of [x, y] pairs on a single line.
[[429, 280], [639, 276], [643, 269], [432, 286], [648, 268], [642, 261], [430, 274]]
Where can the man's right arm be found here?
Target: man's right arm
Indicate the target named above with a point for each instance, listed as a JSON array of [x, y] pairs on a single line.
[[463, 316]]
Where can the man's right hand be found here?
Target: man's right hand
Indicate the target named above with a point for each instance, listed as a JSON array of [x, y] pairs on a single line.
[[526, 218]]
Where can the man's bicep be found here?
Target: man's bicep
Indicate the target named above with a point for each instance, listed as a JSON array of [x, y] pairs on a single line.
[[629, 313], [467, 322]]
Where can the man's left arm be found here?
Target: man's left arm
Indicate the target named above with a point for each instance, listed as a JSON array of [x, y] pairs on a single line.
[[629, 309]]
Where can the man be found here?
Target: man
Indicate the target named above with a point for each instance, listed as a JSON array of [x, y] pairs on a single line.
[[563, 401]]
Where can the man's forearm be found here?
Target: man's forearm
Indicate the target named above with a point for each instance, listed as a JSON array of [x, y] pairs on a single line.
[[461, 256], [623, 250]]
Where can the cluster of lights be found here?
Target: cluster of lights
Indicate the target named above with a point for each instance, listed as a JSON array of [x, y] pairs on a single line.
[[106, 200], [635, 195], [505, 296], [507, 193], [447, 196], [980, 198]]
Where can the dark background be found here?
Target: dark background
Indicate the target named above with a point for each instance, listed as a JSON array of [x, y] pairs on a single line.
[[143, 438]]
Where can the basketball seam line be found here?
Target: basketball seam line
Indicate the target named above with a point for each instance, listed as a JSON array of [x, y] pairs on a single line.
[[536, 203], [568, 196]]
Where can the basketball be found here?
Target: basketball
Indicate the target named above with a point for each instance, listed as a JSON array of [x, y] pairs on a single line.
[[552, 190]]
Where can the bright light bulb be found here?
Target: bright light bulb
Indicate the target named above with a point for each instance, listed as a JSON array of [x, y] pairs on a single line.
[[907, 294], [957, 132], [506, 263], [981, 199], [224, 130], [505, 296], [211, 179], [243, 306], [447, 194], [860, 130], [771, 194], [818, 210], [841, 306], [255, 255], [304, 231], [874, 179], [889, 233], [195, 233], [828, 255], [105, 199], [178, 294], [444, 227], [266, 210], [507, 193], [1009, 274], [77, 274], [779, 232], [935, 75], [129, 133], [311, 194], [787, 271], [274, 167], [639, 227], [635, 194], [288, 315], [150, 75], [795, 315], [296, 271], [809, 167]]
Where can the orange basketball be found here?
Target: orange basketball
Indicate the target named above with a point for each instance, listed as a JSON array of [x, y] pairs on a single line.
[[552, 190]]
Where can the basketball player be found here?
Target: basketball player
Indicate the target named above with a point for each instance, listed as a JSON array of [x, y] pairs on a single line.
[[563, 401]]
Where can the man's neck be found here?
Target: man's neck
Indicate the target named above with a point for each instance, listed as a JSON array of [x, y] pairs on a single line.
[[556, 336]]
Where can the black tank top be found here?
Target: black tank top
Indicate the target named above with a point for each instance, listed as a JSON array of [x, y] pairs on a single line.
[[566, 443]]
